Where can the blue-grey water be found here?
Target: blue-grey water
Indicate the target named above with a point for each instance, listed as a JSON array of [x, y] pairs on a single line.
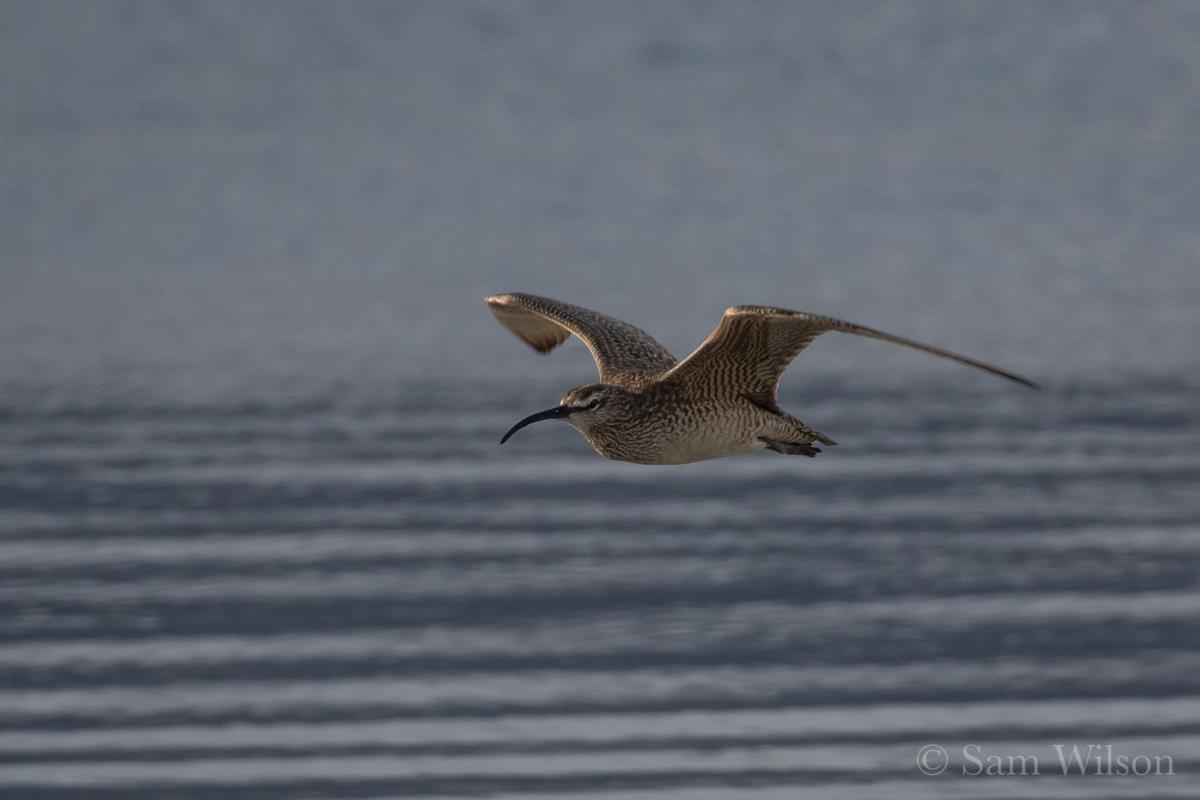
[[257, 538]]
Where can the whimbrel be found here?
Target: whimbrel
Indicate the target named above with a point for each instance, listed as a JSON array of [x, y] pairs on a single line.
[[649, 408]]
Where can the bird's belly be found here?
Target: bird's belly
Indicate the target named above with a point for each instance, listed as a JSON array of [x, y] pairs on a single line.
[[689, 444], [702, 450]]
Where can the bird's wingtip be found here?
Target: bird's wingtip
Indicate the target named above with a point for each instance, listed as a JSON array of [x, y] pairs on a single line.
[[1015, 378]]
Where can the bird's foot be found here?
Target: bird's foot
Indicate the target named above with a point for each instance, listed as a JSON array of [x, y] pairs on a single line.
[[791, 448]]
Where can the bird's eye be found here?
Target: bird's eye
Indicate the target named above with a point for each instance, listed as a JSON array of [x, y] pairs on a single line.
[[594, 402]]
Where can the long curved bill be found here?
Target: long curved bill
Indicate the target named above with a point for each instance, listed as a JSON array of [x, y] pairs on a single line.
[[558, 412]]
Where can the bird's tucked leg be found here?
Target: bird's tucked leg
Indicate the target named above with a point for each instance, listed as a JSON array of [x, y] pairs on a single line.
[[791, 448]]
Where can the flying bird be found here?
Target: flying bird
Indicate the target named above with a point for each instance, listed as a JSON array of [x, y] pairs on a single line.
[[649, 408]]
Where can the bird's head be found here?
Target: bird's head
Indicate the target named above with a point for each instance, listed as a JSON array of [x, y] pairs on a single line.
[[584, 407]]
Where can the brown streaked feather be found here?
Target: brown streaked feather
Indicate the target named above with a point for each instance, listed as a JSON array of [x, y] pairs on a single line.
[[753, 345], [624, 354]]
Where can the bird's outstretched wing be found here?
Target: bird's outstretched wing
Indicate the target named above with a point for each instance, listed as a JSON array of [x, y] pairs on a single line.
[[752, 346], [624, 354]]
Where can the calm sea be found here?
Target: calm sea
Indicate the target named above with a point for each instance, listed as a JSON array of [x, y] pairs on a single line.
[[342, 596], [258, 539]]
